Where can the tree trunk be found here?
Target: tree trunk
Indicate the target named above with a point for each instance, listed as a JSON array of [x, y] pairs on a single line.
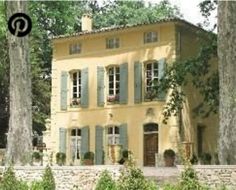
[[227, 74], [19, 140]]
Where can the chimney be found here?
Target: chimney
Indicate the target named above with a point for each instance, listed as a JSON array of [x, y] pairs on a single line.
[[86, 22]]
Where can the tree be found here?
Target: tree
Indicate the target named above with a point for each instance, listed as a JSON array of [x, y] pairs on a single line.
[[19, 140], [227, 76], [4, 78], [116, 13]]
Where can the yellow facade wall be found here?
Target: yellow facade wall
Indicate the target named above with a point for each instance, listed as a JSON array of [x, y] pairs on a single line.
[[190, 46]]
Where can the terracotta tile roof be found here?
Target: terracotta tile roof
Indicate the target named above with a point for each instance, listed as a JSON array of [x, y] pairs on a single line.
[[114, 28]]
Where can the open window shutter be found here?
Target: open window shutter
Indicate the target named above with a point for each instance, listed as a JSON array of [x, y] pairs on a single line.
[[84, 88], [63, 90], [100, 86], [161, 72], [123, 136], [84, 140], [137, 82], [62, 140], [123, 83], [99, 145]]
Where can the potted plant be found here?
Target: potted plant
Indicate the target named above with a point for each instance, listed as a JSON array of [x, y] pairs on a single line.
[[194, 159], [37, 158], [169, 157], [125, 156], [88, 158], [60, 158], [205, 159]]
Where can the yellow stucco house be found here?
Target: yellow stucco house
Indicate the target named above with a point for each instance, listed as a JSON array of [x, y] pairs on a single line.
[[102, 92]]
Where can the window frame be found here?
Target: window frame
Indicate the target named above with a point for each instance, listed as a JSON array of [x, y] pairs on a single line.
[[112, 43], [77, 138], [113, 137], [75, 48], [150, 93], [75, 100], [114, 96], [150, 37]]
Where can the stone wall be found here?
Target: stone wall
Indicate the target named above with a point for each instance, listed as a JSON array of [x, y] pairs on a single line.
[[216, 175], [85, 177], [67, 177]]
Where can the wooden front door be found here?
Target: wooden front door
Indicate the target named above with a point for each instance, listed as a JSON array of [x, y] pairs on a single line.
[[150, 148]]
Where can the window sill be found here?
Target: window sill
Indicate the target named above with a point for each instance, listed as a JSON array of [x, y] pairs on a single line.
[[112, 103], [154, 100]]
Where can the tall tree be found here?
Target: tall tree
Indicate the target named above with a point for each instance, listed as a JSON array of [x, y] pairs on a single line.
[[4, 78], [19, 140], [227, 76]]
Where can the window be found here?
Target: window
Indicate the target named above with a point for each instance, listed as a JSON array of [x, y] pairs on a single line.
[[150, 37], [112, 43], [75, 49], [75, 139], [113, 135], [113, 83], [76, 88], [151, 80], [151, 128]]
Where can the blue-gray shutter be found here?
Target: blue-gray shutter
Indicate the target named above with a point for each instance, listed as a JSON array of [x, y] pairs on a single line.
[[62, 140], [137, 82], [124, 136], [64, 90], [123, 83], [161, 72], [99, 146], [100, 86], [84, 140], [84, 88]]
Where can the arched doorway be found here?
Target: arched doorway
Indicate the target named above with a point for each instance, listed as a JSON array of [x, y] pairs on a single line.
[[150, 143]]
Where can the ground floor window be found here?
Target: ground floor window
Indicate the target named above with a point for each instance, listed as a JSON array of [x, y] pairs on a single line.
[[113, 135], [75, 142]]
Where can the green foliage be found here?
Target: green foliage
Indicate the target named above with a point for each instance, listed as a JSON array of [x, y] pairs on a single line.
[[169, 153], [37, 155], [116, 13], [37, 185], [197, 71], [205, 158], [106, 182], [125, 153], [89, 155], [132, 178], [189, 180], [206, 8], [61, 158], [194, 159], [48, 181], [10, 182]]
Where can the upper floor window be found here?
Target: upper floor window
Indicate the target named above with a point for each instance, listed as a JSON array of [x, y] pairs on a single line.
[[151, 80], [75, 143], [113, 83], [76, 88], [113, 135], [150, 37], [75, 48], [112, 43]]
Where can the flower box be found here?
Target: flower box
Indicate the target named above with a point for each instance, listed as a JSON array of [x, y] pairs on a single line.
[[113, 98]]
